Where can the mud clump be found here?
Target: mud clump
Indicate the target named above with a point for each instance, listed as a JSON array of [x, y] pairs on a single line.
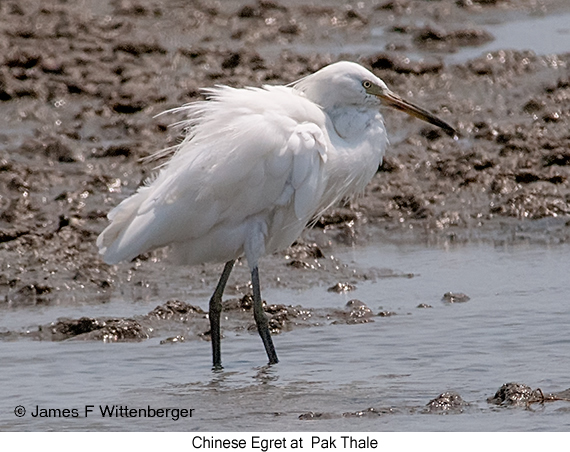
[[440, 39], [371, 412], [455, 297], [173, 340], [446, 403], [161, 319], [312, 416], [342, 287], [516, 394], [106, 330], [521, 395], [176, 310], [191, 322], [281, 317], [358, 312], [450, 402], [403, 65]]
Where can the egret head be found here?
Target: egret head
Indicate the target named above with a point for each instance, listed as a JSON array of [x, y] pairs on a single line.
[[338, 85], [392, 100], [346, 83]]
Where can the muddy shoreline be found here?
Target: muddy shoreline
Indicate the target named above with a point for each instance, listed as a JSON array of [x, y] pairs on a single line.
[[80, 85]]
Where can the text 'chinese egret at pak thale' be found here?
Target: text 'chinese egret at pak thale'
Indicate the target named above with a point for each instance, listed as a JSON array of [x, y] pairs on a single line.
[[257, 166]]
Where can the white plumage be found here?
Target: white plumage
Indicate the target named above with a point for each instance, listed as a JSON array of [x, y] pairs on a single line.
[[257, 166]]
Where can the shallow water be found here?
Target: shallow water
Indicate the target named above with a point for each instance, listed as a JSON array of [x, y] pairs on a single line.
[[544, 35], [513, 328]]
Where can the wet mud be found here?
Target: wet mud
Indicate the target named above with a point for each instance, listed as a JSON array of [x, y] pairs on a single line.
[[79, 89], [513, 395], [80, 86], [190, 322]]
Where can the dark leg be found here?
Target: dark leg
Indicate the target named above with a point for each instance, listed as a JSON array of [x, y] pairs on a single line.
[[215, 313], [261, 318]]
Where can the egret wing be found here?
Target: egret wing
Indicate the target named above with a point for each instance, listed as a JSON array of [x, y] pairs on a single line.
[[308, 146], [232, 168]]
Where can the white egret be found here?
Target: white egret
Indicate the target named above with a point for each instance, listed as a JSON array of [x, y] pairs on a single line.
[[257, 166]]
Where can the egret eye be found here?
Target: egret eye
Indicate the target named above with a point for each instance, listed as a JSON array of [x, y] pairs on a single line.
[[367, 84]]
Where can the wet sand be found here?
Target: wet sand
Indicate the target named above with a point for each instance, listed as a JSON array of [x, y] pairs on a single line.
[[80, 84]]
